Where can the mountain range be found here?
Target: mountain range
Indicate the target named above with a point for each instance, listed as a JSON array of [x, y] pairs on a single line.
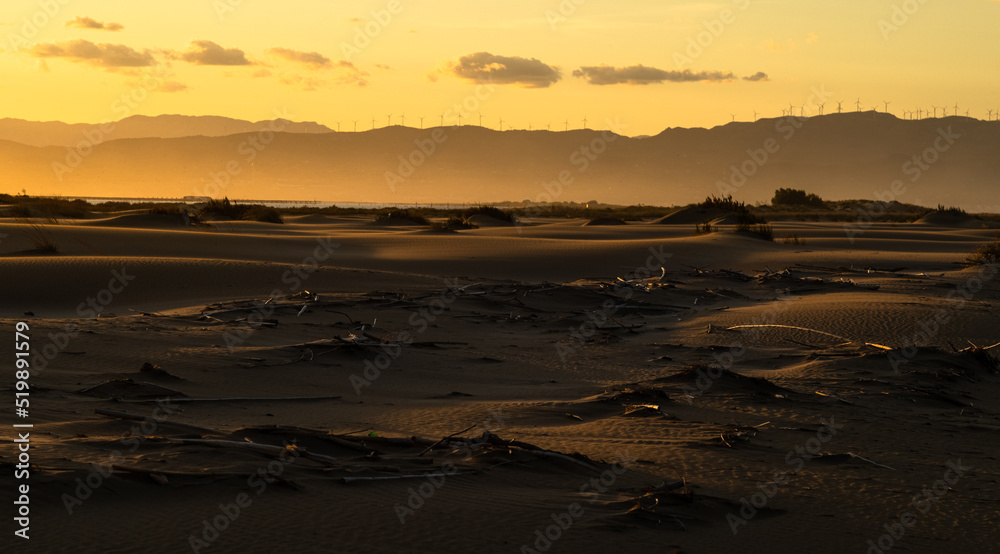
[[950, 160]]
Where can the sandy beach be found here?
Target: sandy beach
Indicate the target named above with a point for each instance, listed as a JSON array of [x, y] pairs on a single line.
[[329, 384]]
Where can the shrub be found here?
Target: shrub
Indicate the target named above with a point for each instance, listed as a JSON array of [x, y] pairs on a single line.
[[761, 230], [951, 210], [401, 214], [490, 211], [48, 208], [792, 239], [264, 214], [986, 254], [796, 197], [704, 228], [224, 209]]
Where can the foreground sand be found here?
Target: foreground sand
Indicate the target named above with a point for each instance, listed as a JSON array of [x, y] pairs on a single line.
[[473, 391]]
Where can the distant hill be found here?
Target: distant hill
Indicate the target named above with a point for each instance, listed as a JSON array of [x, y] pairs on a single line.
[[838, 156], [57, 133]]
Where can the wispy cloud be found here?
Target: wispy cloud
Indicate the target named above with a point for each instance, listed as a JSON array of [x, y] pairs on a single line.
[[504, 70], [91, 23], [643, 75], [206, 52], [313, 60], [100, 55], [759, 76]]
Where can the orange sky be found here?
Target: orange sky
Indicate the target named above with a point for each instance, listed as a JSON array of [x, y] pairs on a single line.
[[649, 64]]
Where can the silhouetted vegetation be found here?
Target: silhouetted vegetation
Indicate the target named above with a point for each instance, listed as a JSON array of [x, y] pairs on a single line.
[[46, 208], [793, 239], [726, 204], [986, 254], [951, 210], [396, 215], [453, 223], [224, 209], [796, 197], [490, 211], [704, 228], [760, 230]]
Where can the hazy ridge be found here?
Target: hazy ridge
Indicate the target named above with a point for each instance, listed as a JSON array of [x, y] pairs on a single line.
[[838, 156]]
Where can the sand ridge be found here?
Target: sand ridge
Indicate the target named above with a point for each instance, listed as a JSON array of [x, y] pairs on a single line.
[[517, 364]]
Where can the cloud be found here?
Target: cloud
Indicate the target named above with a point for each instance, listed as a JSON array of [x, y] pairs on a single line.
[[642, 75], [759, 76], [504, 70], [385, 67], [172, 86], [343, 73], [101, 55], [314, 60], [206, 52], [90, 23]]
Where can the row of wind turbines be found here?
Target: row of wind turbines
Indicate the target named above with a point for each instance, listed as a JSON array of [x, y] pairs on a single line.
[[402, 122], [918, 113]]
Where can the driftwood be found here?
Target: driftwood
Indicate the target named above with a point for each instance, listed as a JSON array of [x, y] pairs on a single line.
[[235, 399], [135, 417], [348, 480], [261, 449]]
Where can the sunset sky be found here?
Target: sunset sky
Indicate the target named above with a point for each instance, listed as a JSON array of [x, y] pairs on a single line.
[[550, 61]]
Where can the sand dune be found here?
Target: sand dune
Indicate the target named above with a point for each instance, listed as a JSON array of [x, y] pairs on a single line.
[[409, 391]]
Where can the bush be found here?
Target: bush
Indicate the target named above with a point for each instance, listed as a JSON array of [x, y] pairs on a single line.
[[224, 209], [263, 214], [792, 239], [951, 210], [490, 211], [796, 197], [760, 230], [986, 254], [401, 214], [48, 208], [724, 203], [704, 229]]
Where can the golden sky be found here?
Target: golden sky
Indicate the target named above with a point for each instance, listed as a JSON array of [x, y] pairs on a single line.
[[649, 64]]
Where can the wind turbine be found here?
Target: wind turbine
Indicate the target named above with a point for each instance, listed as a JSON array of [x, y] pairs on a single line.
[[989, 115], [734, 117], [338, 126], [501, 124], [919, 111], [966, 113], [459, 120], [821, 108], [442, 120], [548, 126], [859, 104], [755, 115], [791, 111], [567, 125], [802, 111], [839, 108], [421, 122], [529, 126], [935, 110], [388, 120], [956, 109], [584, 122], [402, 120], [373, 122], [355, 125], [480, 119], [886, 106]]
